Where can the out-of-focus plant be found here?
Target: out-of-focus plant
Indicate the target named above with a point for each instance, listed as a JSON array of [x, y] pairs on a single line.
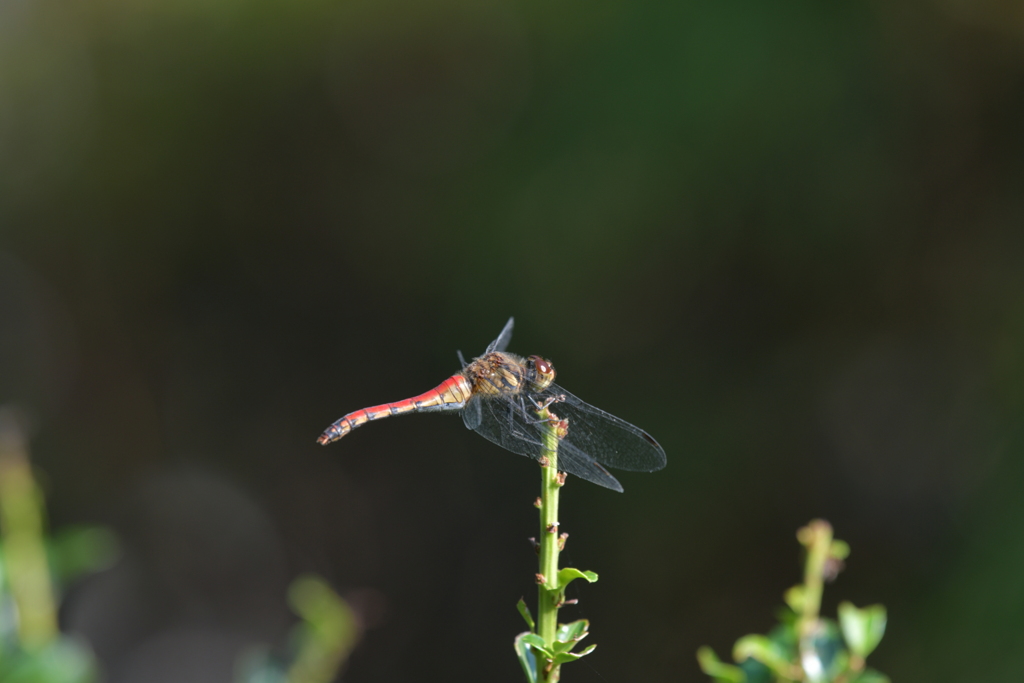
[[806, 646], [547, 645], [33, 566], [320, 643]]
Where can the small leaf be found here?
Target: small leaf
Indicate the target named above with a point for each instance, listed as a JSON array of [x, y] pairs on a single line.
[[795, 597], [60, 661], [823, 655], [537, 643], [787, 623], [573, 632], [720, 671], [525, 611], [862, 628], [568, 575], [527, 658], [756, 672], [565, 657], [764, 650], [871, 676], [330, 619], [81, 549], [784, 638]]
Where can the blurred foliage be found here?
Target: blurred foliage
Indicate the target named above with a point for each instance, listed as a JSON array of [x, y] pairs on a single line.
[[320, 643], [806, 646], [33, 567]]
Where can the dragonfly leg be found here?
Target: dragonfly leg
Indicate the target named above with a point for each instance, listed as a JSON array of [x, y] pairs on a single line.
[[561, 425], [544, 405], [547, 402], [538, 406]]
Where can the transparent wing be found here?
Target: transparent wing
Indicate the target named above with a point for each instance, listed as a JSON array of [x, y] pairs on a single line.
[[575, 461], [501, 343], [471, 414], [606, 438], [511, 423]]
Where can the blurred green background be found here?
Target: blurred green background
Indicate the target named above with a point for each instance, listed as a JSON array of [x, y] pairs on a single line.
[[785, 238]]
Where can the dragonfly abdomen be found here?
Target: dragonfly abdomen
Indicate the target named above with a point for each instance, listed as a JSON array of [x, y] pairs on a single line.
[[450, 394]]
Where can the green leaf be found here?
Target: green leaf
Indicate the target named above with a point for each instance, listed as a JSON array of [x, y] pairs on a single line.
[[568, 575], [564, 657], [720, 671], [570, 634], [330, 619], [787, 624], [534, 640], [764, 650], [573, 632], [862, 628], [823, 652], [60, 661], [840, 550], [757, 672], [527, 658], [78, 550], [871, 676], [784, 639], [525, 611], [327, 634], [537, 643], [795, 597]]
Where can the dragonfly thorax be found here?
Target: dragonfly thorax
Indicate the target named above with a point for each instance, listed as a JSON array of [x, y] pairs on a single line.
[[500, 373]]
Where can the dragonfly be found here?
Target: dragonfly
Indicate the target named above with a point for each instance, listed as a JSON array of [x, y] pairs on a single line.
[[501, 396]]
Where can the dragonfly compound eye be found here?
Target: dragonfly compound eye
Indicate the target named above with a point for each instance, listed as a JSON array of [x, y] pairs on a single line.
[[543, 373]]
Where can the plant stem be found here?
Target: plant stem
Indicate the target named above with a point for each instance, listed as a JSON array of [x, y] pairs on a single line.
[[327, 634], [548, 594], [817, 538], [23, 524]]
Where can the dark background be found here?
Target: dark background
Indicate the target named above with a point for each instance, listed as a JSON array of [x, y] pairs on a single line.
[[784, 238]]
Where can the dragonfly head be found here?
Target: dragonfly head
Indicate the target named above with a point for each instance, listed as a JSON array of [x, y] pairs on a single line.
[[542, 373]]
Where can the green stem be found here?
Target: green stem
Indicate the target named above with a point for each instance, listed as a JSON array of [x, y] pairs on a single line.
[[817, 538], [23, 525], [327, 634], [548, 594]]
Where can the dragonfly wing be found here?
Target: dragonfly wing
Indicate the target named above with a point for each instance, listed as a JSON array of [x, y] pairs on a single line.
[[501, 343], [471, 413], [604, 437], [574, 461], [509, 423], [503, 421]]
